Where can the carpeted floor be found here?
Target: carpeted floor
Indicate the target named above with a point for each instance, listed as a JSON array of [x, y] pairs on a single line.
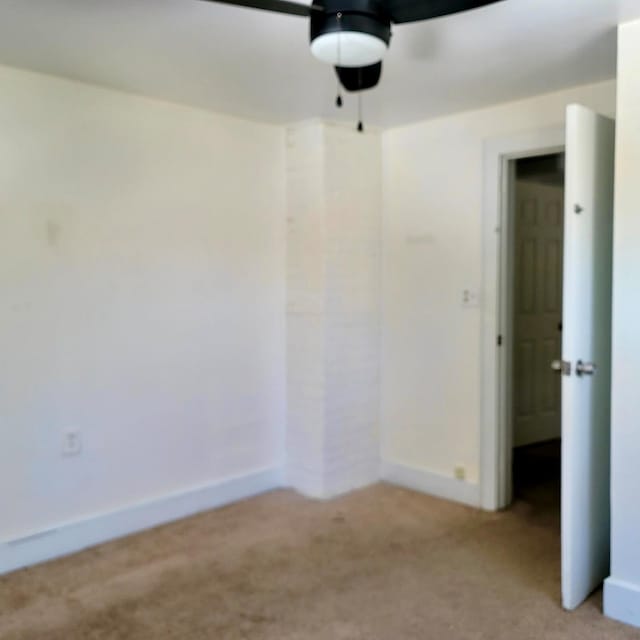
[[379, 564]]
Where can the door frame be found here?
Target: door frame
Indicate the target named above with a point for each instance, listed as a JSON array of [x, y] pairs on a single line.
[[497, 230]]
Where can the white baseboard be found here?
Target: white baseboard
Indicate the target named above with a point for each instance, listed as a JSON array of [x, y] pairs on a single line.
[[622, 601], [431, 483], [304, 481], [352, 478], [75, 536], [320, 487]]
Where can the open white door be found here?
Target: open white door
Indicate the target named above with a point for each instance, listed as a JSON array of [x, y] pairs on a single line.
[[586, 353]]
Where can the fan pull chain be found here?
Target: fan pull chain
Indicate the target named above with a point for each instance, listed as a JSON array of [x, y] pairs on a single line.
[[360, 124], [339, 18], [339, 93]]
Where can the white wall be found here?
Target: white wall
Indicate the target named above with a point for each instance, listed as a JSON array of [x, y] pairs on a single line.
[[432, 251], [622, 589], [333, 277], [142, 253]]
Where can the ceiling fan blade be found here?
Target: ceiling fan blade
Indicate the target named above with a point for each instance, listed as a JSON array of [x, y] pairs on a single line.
[[414, 10], [279, 6], [359, 78]]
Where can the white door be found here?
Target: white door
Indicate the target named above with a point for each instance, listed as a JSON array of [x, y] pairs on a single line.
[[537, 311], [586, 353]]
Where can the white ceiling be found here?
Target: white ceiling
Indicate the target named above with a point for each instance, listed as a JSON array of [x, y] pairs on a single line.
[[256, 64]]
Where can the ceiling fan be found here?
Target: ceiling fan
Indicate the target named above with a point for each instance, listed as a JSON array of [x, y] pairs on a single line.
[[353, 35]]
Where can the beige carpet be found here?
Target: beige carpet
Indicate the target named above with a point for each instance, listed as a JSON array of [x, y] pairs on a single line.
[[383, 563]]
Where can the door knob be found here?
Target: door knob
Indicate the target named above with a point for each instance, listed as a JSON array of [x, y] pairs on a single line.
[[585, 368], [561, 366]]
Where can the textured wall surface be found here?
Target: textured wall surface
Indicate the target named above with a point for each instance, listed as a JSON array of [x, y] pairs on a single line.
[[333, 274]]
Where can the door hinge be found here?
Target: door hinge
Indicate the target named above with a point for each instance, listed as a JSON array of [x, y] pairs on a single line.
[[499, 341]]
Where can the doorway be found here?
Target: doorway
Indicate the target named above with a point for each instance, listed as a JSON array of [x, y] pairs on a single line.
[[588, 141], [536, 256], [500, 157]]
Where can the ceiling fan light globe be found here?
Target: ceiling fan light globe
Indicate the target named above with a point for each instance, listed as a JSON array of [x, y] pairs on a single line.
[[348, 48]]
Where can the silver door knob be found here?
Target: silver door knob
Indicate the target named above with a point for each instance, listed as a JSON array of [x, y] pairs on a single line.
[[561, 366], [585, 368]]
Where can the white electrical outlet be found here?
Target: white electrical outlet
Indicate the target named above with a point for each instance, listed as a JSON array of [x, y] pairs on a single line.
[[460, 472], [71, 442]]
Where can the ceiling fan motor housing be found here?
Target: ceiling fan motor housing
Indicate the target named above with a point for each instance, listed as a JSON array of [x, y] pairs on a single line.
[[368, 18]]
